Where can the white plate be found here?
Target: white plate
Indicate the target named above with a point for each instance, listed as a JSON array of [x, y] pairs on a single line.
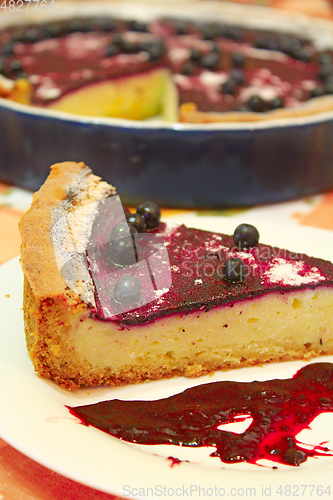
[[35, 420]]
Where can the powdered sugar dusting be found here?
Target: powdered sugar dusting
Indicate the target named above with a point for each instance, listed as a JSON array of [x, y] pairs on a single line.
[[48, 89], [6, 84], [209, 78], [246, 257], [79, 44], [161, 292], [292, 273], [72, 224], [213, 246]]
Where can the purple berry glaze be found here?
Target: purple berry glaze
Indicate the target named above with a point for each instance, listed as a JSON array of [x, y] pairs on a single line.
[[60, 65]]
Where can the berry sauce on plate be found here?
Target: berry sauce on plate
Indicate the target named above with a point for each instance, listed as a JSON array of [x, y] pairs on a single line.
[[279, 409]]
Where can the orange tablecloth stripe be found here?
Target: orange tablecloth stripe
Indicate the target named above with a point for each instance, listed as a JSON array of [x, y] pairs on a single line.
[[322, 215], [10, 238], [24, 479]]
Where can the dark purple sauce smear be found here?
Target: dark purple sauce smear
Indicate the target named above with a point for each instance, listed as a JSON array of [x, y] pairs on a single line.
[[280, 410]]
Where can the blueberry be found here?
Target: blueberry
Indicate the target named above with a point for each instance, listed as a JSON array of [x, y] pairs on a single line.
[[2, 66], [246, 236], [108, 25], [210, 61], [229, 87], [238, 76], [293, 456], [194, 55], [122, 252], [151, 213], [324, 58], [283, 43], [188, 68], [88, 25], [275, 103], [130, 47], [304, 54], [140, 26], [209, 31], [215, 48], [122, 229], [55, 30], [16, 68], [325, 71], [17, 36], [260, 42], [317, 92], [137, 221], [75, 25], [256, 104], [80, 25], [329, 86], [8, 49], [32, 35], [232, 33], [266, 42], [234, 269], [111, 50], [156, 50], [293, 47], [238, 59], [127, 290], [144, 45], [118, 40], [180, 27]]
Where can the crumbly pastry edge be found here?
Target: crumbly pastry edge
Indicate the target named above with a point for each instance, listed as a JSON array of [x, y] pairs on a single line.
[[188, 113], [49, 304]]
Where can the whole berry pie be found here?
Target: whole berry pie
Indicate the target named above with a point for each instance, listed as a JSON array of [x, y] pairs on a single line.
[[116, 297], [180, 68]]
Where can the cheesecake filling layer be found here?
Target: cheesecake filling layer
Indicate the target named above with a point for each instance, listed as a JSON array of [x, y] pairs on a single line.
[[272, 327], [280, 311]]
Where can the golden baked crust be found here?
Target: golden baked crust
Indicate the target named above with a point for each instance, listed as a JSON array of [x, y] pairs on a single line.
[[188, 113], [19, 90], [37, 245], [49, 305]]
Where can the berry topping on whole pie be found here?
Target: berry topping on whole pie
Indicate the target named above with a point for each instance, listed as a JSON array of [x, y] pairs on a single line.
[[179, 68]]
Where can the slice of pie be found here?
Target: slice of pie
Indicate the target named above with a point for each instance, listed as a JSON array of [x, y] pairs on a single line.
[[115, 298], [188, 68]]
